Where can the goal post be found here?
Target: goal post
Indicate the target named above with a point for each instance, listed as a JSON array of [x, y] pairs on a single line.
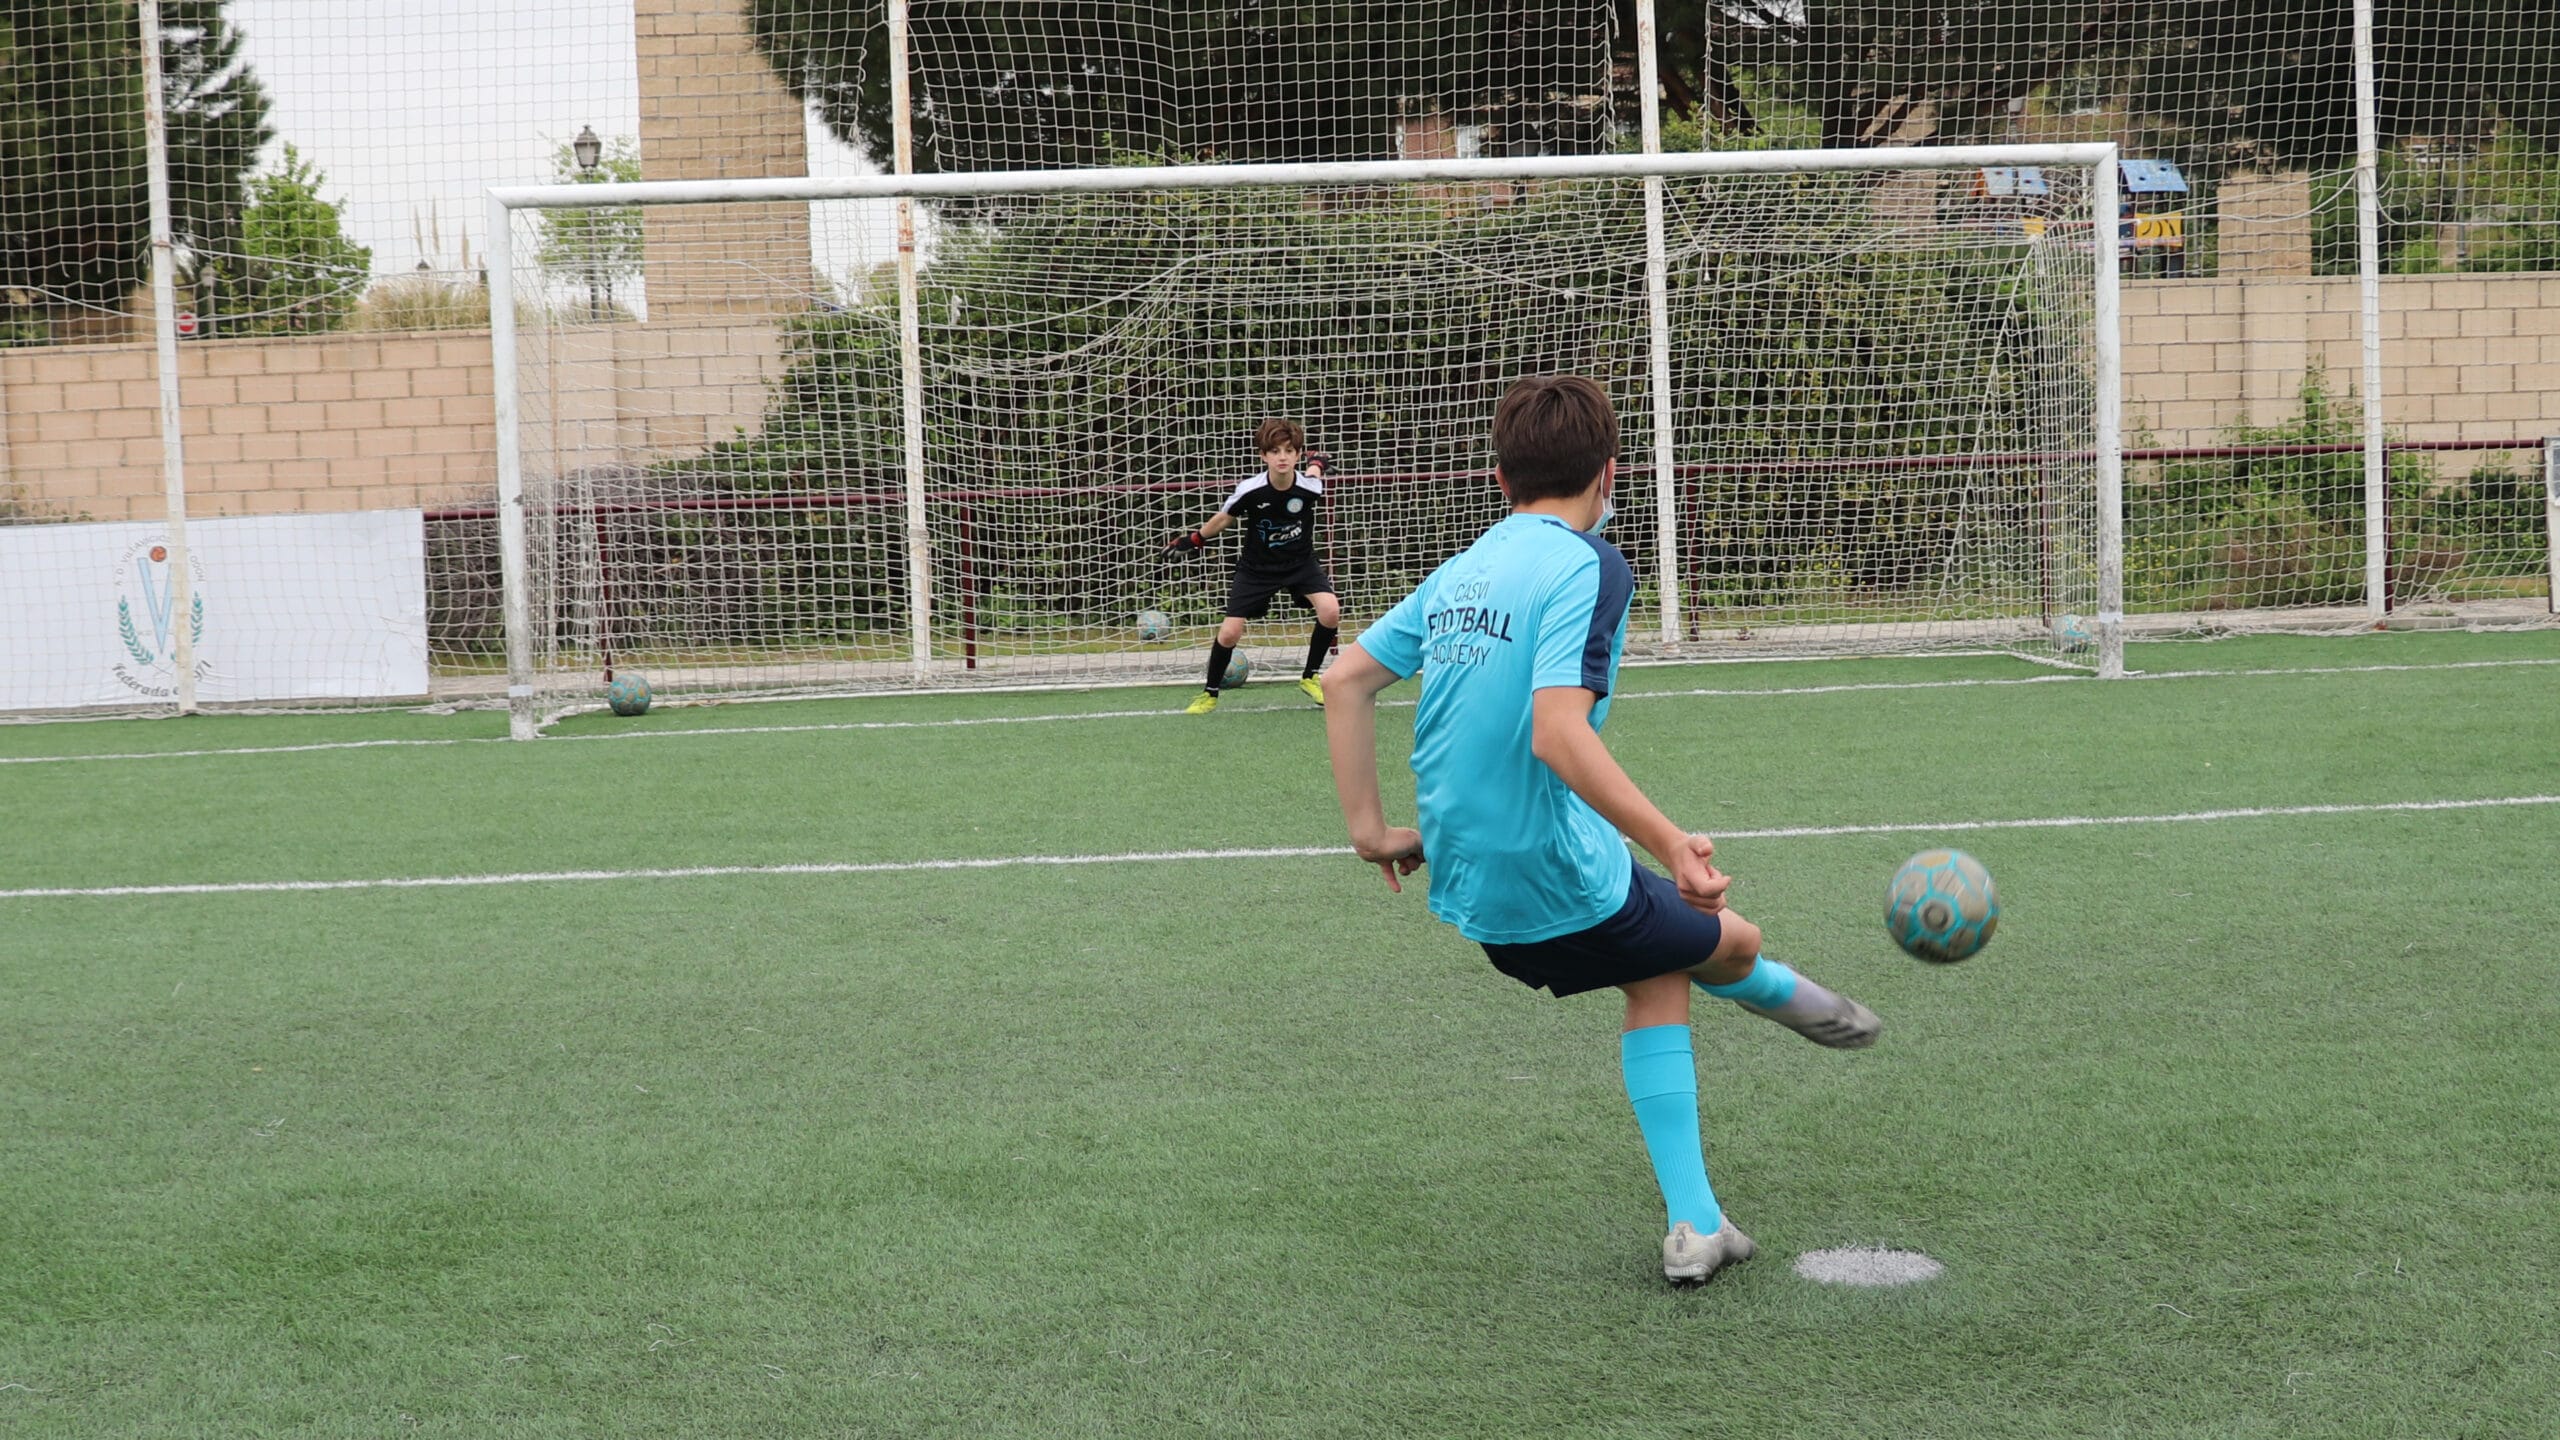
[[2551, 513], [1894, 377]]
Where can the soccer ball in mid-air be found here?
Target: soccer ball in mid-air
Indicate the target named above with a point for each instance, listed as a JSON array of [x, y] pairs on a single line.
[[1239, 670], [2072, 634], [628, 695], [1941, 906], [1154, 624]]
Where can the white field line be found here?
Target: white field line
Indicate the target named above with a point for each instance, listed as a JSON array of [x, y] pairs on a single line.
[[1281, 852], [1171, 713], [242, 750]]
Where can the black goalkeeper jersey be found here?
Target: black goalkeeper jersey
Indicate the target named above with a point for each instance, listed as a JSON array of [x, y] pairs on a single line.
[[1279, 525]]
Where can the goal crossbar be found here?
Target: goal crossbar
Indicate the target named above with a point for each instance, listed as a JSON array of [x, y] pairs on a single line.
[[1340, 172]]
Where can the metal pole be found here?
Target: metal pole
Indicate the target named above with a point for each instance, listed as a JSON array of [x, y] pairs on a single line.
[[514, 574], [2103, 217], [1706, 77], [2377, 492], [1657, 294], [2551, 513], [164, 328], [910, 348]]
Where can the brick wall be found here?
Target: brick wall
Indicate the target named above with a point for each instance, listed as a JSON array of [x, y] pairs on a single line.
[[2265, 224], [621, 394], [711, 109], [346, 422], [320, 423], [353, 422], [2465, 357]]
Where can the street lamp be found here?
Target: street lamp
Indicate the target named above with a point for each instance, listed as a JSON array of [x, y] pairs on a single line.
[[589, 151]]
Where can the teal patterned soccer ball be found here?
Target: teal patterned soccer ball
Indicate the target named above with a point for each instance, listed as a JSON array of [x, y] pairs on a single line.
[[2071, 634], [1239, 670], [628, 695], [1154, 624], [1941, 906]]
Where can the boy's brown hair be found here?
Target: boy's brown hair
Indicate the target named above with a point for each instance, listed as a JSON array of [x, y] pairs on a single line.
[[1270, 435], [1551, 435]]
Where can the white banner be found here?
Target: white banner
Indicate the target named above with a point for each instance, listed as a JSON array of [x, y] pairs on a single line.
[[286, 607]]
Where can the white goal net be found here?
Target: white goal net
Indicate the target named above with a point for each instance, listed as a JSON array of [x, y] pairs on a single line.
[[2338, 225], [1884, 392]]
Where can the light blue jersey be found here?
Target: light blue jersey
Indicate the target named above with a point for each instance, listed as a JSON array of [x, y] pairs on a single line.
[[1515, 855]]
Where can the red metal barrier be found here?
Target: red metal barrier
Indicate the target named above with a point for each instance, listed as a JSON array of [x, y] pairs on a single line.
[[801, 499]]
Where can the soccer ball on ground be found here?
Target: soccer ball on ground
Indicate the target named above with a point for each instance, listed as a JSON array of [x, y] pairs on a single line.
[[2072, 634], [1239, 670], [1154, 624], [628, 695], [1941, 907]]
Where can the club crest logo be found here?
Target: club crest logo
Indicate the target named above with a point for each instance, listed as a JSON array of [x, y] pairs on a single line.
[[1296, 505], [147, 619]]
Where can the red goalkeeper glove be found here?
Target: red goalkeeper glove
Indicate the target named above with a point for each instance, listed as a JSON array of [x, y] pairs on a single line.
[[1192, 541]]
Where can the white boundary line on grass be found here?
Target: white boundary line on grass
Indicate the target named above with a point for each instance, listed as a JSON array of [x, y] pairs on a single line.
[[246, 750], [954, 723], [1280, 852], [966, 722]]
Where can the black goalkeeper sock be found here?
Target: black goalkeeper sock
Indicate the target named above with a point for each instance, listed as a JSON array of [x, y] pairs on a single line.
[[1318, 646], [1220, 657]]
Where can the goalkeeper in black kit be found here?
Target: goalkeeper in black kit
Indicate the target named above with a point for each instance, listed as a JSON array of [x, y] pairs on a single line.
[[1277, 508]]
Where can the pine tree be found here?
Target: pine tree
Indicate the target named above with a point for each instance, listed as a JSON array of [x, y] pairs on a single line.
[[74, 196], [2215, 83], [1027, 84]]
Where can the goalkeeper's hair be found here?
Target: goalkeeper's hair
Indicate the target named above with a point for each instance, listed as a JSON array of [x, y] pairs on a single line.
[[1271, 435], [1551, 436]]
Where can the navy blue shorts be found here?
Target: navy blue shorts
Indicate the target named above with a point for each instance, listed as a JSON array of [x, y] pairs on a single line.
[[1654, 933]]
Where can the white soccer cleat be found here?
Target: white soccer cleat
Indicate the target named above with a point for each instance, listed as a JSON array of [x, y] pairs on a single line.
[[1689, 1258], [1825, 1017]]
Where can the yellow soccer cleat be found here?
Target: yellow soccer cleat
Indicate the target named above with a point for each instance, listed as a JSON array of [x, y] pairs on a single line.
[[1314, 688], [1207, 702]]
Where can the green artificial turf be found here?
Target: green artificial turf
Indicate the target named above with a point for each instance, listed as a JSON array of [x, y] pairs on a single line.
[[2243, 1127]]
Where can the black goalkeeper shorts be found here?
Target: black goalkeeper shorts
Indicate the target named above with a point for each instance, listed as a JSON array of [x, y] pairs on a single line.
[[1249, 594]]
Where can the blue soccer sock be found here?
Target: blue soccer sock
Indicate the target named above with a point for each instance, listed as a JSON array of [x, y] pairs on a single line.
[[1662, 1083], [1768, 986]]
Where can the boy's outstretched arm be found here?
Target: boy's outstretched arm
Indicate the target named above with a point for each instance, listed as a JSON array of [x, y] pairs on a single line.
[[1561, 736], [1351, 734], [1194, 539]]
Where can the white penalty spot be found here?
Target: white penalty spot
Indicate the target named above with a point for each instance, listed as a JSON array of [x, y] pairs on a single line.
[[1867, 1267]]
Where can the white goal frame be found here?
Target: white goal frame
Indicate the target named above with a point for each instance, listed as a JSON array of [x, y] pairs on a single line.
[[2099, 159]]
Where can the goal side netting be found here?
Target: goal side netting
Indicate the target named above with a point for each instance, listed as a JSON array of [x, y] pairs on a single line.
[[1864, 403]]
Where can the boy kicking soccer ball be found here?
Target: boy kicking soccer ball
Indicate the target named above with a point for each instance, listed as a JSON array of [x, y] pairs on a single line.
[[1517, 641], [1278, 507]]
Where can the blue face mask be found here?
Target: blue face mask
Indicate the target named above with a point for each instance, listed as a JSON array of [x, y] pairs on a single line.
[[1606, 510]]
